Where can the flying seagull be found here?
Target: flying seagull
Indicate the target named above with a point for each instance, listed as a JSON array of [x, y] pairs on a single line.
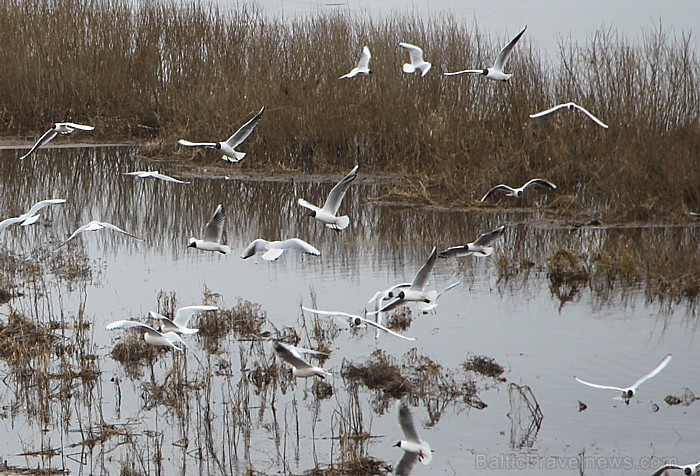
[[63, 128], [96, 226], [518, 192], [273, 249], [481, 247], [357, 321], [182, 318], [156, 175], [31, 216], [417, 61], [495, 73], [228, 147], [362, 68], [300, 367], [629, 392], [213, 234], [414, 448], [328, 213], [688, 470], [570, 106], [151, 336]]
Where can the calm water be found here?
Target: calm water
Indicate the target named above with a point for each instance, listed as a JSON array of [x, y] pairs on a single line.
[[519, 323]]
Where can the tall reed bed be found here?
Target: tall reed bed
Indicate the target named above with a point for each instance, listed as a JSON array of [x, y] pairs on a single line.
[[164, 71]]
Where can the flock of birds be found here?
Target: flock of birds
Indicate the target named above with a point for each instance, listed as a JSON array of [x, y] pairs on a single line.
[[171, 333]]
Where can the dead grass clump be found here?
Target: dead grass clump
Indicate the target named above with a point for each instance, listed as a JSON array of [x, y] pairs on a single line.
[[566, 267], [359, 466], [322, 390], [686, 398], [380, 372], [244, 319], [23, 340], [263, 376], [485, 366], [400, 319], [133, 353]]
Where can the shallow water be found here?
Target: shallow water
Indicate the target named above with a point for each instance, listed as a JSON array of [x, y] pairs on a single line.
[[612, 339]]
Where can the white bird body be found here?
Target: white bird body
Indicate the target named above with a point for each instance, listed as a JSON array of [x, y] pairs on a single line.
[[300, 367], [495, 73], [179, 324], [362, 68], [518, 192], [417, 62], [156, 175], [415, 449], [688, 470], [480, 247], [357, 321], [213, 234], [273, 249], [30, 217], [627, 393], [151, 336], [328, 214], [228, 148], [570, 106], [96, 225], [63, 128]]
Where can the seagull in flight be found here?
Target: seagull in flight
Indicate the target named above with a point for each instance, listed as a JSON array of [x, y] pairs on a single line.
[[31, 216], [629, 392], [414, 448], [300, 367], [156, 175], [213, 234], [357, 321], [151, 336], [96, 226], [328, 213], [362, 68], [182, 318], [481, 247], [518, 192], [273, 249], [228, 148], [570, 106], [495, 73], [688, 470], [417, 62], [63, 128]]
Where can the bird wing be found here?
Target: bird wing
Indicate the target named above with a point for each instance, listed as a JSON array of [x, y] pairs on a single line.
[[364, 59], [242, 134], [308, 205], [255, 246], [166, 178], [130, 325], [505, 52], [43, 140], [75, 233], [385, 329], [486, 239], [415, 53], [453, 250], [551, 110], [406, 464], [297, 244], [197, 144], [451, 286], [588, 113], [10, 221], [663, 469], [495, 189], [290, 355], [595, 385], [539, 181], [173, 338], [407, 424], [338, 192], [44, 203], [272, 254], [421, 279], [465, 71], [184, 314], [161, 317], [116, 228], [332, 313], [651, 374], [73, 125], [214, 230]]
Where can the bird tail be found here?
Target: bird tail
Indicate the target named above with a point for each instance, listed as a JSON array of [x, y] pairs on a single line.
[[485, 252], [239, 156], [31, 220], [426, 69], [409, 68], [225, 250], [426, 454], [341, 224]]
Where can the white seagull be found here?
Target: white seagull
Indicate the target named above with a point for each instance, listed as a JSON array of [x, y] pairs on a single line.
[[31, 216], [688, 470], [518, 192], [63, 128], [273, 249], [228, 147], [629, 392], [694, 214], [362, 68], [415, 449], [570, 106], [416, 292], [156, 175], [328, 213], [417, 61], [182, 318], [378, 302], [300, 367], [96, 226], [151, 336], [213, 233], [356, 321], [481, 247], [495, 73]]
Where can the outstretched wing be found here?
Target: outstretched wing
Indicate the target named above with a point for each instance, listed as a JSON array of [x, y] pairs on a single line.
[[495, 189], [421, 279], [505, 52], [197, 144], [242, 134], [486, 239], [595, 119], [364, 59], [414, 52], [406, 464], [75, 233], [465, 71], [184, 314], [539, 181], [385, 329], [651, 374], [73, 125], [595, 385], [290, 355], [551, 110], [666, 467], [215, 228], [297, 244], [44, 203], [130, 325], [254, 247], [116, 228], [337, 194], [43, 140], [407, 424]]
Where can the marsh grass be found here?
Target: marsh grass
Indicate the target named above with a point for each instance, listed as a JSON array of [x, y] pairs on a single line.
[[165, 71]]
